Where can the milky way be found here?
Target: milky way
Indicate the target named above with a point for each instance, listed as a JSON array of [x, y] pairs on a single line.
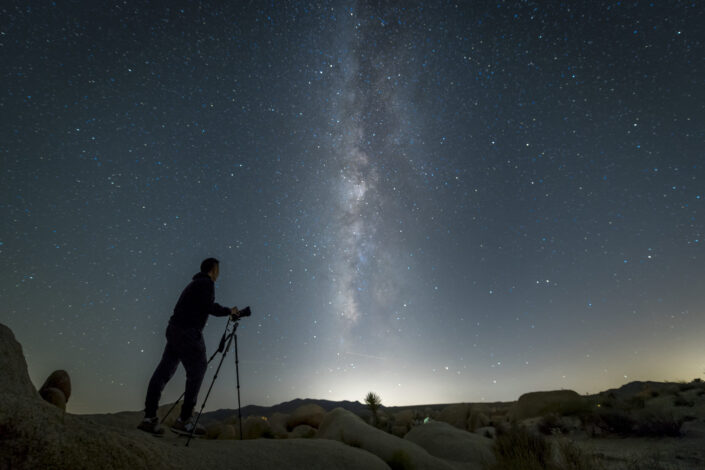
[[434, 201]]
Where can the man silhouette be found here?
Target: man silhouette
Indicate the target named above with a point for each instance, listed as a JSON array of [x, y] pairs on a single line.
[[184, 344]]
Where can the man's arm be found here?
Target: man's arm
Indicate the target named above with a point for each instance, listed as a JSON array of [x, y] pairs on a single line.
[[214, 308], [218, 310]]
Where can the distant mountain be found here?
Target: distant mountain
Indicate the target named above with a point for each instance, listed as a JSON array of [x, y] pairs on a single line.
[[361, 409], [632, 388], [286, 408]]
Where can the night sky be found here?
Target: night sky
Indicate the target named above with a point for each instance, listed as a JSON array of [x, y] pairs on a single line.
[[440, 202]]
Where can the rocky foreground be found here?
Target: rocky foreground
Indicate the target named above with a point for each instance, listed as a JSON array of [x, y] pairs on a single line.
[[645, 425]]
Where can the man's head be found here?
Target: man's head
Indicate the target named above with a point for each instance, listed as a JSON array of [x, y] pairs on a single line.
[[210, 266]]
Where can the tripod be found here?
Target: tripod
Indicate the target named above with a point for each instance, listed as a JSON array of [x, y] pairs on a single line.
[[229, 336]]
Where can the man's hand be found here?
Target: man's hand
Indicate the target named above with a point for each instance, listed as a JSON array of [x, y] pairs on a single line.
[[234, 314]]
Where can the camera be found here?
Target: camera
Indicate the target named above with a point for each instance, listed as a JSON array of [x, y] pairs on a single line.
[[245, 312]]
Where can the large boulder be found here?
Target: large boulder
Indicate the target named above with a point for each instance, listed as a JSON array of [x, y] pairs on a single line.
[[309, 413], [54, 396], [463, 416], [450, 443], [456, 415], [228, 431], [534, 404], [14, 378], [58, 379], [255, 427], [404, 418], [303, 431], [57, 389], [344, 426], [477, 419], [277, 422], [489, 432]]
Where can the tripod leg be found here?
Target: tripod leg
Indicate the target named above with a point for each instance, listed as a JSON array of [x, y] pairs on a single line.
[[215, 376], [172, 407], [237, 375]]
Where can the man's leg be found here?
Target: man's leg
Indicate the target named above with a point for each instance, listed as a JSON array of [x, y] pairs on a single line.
[[193, 357], [163, 373]]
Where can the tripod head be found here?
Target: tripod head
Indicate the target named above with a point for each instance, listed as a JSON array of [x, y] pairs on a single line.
[[245, 312], [228, 334]]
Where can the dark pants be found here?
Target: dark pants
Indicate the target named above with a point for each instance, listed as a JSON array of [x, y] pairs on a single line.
[[185, 346]]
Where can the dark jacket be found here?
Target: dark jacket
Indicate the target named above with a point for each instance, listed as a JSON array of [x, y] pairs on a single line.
[[196, 302]]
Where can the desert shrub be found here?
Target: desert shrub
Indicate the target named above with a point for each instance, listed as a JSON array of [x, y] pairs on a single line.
[[658, 425], [680, 400], [640, 424], [615, 421], [684, 387], [551, 424], [608, 400], [518, 449], [636, 402], [571, 457]]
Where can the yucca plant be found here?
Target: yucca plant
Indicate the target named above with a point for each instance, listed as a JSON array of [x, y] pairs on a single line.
[[373, 402]]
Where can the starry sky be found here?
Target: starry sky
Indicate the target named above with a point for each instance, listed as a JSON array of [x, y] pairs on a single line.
[[435, 201]]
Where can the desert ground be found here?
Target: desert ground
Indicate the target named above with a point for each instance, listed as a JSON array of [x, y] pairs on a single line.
[[641, 425]]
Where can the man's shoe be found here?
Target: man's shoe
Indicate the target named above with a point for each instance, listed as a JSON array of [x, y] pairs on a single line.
[[187, 427], [151, 425]]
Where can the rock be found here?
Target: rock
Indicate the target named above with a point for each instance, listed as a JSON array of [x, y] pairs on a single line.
[[255, 427], [213, 430], [445, 441], [54, 396], [309, 413], [404, 419], [303, 431], [222, 431], [59, 379], [456, 415], [487, 431], [463, 416], [277, 423], [344, 426], [228, 431], [399, 431], [14, 378], [57, 389], [477, 420], [538, 403]]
